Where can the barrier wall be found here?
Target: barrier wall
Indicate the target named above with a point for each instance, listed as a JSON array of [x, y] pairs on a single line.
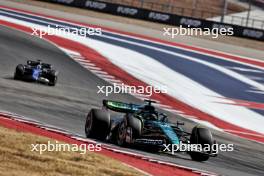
[[165, 18]]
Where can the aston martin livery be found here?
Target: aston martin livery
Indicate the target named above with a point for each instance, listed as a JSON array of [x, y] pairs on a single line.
[[142, 126]]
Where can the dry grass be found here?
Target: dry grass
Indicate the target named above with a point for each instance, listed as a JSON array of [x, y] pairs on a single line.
[[18, 159]]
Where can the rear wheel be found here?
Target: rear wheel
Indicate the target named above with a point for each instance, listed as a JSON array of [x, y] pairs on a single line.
[[121, 133], [130, 127], [97, 124], [136, 126], [19, 72], [203, 136]]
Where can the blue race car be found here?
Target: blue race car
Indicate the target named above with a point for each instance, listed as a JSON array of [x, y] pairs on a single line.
[[143, 126], [36, 71]]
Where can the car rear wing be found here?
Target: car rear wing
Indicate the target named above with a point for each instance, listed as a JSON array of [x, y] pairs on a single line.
[[120, 106]]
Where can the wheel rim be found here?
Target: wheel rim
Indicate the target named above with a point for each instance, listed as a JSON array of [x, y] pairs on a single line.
[[121, 133]]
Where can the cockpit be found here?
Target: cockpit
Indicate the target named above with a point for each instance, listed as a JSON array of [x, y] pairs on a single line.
[[148, 112]]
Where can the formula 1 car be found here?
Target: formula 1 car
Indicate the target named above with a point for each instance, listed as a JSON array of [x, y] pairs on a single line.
[[36, 71], [142, 126]]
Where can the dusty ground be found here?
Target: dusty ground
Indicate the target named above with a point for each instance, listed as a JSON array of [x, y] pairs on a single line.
[[18, 159], [153, 29]]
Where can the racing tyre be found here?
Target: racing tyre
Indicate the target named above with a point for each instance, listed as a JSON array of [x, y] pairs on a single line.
[[19, 72], [136, 126], [53, 81], [121, 133], [53, 78], [201, 135], [97, 124]]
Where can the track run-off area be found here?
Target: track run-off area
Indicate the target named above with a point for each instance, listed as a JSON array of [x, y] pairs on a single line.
[[222, 91]]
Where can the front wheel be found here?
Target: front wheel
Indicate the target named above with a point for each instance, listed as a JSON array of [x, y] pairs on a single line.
[[53, 81], [52, 77], [201, 136]]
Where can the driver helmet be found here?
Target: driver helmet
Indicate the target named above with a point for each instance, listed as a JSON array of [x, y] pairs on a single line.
[[150, 116], [38, 67]]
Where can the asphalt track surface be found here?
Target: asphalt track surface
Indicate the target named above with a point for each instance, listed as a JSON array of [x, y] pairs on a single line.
[[66, 105]]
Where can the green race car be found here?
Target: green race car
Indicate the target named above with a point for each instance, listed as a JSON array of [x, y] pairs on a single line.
[[142, 126]]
